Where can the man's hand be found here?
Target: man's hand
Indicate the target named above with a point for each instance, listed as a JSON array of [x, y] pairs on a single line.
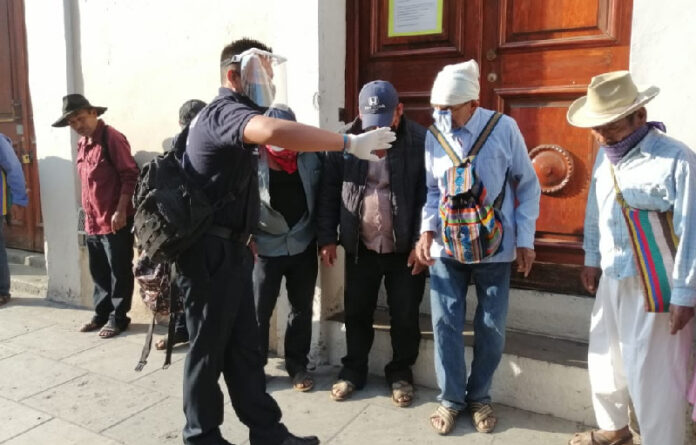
[[417, 266], [423, 249], [328, 254], [362, 145], [254, 251], [590, 278], [679, 316], [118, 221], [525, 259], [15, 211]]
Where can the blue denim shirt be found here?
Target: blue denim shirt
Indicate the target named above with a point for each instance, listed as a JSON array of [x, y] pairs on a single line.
[[658, 174], [505, 149], [14, 175], [274, 237]]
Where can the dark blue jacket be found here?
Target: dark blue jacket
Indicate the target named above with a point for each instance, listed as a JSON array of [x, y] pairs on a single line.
[[343, 187]]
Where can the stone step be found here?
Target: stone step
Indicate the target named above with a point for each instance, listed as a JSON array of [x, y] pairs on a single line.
[[538, 373], [27, 258], [543, 313], [28, 280], [27, 273]]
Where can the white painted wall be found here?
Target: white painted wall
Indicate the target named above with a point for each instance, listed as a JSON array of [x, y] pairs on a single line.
[[51, 75], [663, 46], [142, 60]]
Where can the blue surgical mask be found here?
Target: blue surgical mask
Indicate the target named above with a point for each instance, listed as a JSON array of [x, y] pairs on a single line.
[[443, 120]]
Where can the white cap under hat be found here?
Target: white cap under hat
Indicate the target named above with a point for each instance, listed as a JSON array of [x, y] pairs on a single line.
[[456, 84]]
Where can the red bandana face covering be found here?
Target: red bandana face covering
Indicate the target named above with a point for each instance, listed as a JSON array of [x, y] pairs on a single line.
[[286, 159]]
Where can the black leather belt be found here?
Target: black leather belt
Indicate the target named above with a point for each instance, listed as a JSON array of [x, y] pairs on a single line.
[[228, 234]]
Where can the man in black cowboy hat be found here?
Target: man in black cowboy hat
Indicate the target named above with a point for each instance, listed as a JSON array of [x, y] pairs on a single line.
[[108, 174]]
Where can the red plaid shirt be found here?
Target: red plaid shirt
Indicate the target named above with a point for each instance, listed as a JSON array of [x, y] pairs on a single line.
[[105, 177]]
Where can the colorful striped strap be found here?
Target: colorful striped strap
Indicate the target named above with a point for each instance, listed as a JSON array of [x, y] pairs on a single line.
[[482, 138], [654, 244]]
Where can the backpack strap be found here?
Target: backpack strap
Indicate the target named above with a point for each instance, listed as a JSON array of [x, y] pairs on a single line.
[[173, 312], [148, 344], [485, 133], [444, 143], [498, 203], [478, 144], [105, 144]]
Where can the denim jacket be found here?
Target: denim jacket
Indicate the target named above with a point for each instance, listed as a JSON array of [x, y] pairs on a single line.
[[658, 174], [274, 237]]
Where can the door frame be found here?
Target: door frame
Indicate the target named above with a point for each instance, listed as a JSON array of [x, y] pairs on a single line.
[[26, 233]]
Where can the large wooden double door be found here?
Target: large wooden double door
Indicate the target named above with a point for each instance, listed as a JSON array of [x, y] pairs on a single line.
[[536, 57], [26, 231]]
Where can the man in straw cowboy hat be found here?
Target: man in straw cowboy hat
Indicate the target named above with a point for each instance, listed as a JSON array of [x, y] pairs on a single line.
[[640, 335], [506, 176], [108, 174]]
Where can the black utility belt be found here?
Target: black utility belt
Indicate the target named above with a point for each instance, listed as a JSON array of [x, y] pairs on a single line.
[[228, 234]]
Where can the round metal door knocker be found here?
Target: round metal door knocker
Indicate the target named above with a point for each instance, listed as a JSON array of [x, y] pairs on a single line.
[[553, 165]]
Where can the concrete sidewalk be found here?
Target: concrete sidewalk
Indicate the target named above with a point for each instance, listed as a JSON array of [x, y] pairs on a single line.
[[60, 386]]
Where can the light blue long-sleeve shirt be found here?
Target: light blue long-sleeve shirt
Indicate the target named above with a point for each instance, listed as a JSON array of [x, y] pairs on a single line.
[[658, 174], [505, 150], [13, 172]]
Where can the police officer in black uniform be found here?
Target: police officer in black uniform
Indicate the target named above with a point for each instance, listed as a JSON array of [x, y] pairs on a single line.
[[216, 273]]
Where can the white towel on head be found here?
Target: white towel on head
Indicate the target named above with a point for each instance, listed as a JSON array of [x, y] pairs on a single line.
[[456, 84]]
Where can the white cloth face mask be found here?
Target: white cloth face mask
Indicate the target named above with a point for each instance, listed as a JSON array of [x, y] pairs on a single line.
[[443, 120]]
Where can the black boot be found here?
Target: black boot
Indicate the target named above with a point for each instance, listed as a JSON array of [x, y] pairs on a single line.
[[294, 440]]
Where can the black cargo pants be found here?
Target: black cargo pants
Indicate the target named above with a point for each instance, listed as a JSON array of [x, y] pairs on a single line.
[[215, 276]]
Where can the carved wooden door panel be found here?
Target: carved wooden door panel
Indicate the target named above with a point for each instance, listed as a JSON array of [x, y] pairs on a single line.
[[408, 62], [536, 57], [25, 232], [539, 56]]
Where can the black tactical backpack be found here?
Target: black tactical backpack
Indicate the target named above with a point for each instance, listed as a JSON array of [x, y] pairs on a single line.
[[171, 213]]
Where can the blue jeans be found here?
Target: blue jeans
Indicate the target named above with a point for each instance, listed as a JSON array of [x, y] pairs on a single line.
[[449, 280]]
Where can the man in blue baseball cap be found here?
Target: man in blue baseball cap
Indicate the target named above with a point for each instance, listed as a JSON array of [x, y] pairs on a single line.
[[377, 205]]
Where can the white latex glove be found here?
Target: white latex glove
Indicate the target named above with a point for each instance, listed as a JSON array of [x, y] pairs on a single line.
[[362, 145]]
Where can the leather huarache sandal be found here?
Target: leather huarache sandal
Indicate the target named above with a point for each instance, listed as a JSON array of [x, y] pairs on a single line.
[[91, 326], [402, 393], [302, 382], [341, 390], [443, 419], [179, 338], [109, 330], [482, 417]]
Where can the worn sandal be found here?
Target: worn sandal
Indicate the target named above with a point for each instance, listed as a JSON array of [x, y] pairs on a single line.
[[4, 299], [402, 393], [443, 419], [594, 438], [482, 417], [109, 331], [161, 344], [302, 382], [91, 326], [341, 390]]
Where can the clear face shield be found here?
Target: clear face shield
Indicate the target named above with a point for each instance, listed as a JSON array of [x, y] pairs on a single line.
[[264, 78]]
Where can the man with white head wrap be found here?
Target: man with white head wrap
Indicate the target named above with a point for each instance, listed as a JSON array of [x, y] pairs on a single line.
[[505, 170]]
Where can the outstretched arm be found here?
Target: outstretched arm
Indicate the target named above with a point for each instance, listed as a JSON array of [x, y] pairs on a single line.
[[262, 130]]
